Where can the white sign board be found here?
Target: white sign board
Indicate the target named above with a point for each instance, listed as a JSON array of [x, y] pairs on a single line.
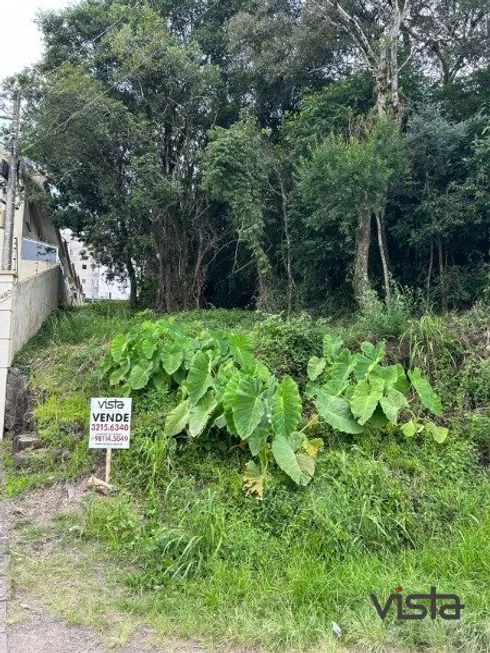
[[110, 423]]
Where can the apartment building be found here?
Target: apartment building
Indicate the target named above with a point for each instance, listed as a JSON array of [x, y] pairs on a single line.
[[93, 277]]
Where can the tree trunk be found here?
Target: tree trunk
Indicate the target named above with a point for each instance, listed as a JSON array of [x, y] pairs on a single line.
[[429, 272], [394, 72], [382, 253], [382, 82], [133, 285], [287, 235], [361, 265], [442, 275]]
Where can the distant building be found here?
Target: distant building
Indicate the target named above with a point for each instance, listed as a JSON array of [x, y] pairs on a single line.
[[93, 277]]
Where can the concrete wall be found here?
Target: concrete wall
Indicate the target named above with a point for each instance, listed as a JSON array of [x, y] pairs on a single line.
[[24, 306], [33, 301]]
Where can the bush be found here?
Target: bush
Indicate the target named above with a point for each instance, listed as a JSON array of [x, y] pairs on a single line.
[[387, 318], [287, 346]]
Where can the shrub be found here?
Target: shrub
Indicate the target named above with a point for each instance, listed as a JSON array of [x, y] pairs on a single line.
[[386, 318], [287, 346]]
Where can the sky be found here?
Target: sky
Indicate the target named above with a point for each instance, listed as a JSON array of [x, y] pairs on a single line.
[[21, 40]]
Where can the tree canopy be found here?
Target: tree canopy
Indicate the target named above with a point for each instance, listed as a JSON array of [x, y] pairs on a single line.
[[278, 153]]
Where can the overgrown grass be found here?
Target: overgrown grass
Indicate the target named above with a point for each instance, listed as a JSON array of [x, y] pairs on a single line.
[[207, 561]]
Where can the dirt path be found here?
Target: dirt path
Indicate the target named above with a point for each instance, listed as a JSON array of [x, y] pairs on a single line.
[[45, 634]]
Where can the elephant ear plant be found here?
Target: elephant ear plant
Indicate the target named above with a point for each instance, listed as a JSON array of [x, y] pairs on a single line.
[[220, 385], [355, 392]]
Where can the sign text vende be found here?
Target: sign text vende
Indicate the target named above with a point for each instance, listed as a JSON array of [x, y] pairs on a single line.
[[110, 423]]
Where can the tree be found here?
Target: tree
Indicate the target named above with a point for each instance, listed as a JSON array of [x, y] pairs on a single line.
[[88, 166], [345, 183], [376, 29], [140, 105], [236, 172], [436, 149]]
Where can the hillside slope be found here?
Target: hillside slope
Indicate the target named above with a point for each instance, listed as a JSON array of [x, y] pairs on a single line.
[[382, 511]]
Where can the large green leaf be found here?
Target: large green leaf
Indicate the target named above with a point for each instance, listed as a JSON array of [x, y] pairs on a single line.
[[332, 344], [199, 377], [228, 398], [343, 364], [365, 398], [336, 412], [120, 374], [340, 372], [285, 457], [201, 414], [298, 466], [257, 441], [392, 403], [362, 366], [148, 347], [307, 466], [374, 352], [389, 374], [402, 384], [286, 407], [140, 375], [427, 395], [242, 350], [366, 361], [172, 357], [118, 347], [439, 433], [248, 406], [177, 419], [315, 367]]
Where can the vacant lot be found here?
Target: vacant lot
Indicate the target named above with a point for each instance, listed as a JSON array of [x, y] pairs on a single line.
[[181, 553]]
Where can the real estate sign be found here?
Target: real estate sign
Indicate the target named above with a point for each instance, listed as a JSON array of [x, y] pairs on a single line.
[[110, 423]]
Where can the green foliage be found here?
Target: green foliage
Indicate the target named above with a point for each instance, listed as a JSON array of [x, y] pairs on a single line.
[[342, 177], [286, 346], [387, 318], [220, 385], [383, 508], [354, 392]]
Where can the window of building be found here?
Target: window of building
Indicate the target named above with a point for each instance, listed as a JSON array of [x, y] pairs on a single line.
[[83, 280], [84, 267]]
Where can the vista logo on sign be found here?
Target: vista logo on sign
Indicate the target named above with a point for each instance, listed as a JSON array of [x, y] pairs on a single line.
[[450, 610], [118, 404]]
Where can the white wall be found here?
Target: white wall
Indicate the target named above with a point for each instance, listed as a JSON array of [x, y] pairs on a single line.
[[24, 305]]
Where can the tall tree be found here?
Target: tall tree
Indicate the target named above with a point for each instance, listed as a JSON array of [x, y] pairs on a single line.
[[346, 183]]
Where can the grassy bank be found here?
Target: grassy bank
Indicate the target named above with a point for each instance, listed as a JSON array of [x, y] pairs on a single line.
[[213, 563]]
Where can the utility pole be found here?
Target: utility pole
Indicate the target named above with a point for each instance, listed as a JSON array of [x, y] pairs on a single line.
[[8, 234]]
